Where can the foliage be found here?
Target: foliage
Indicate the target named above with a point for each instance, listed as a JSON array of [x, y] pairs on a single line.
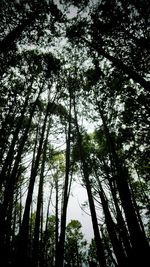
[[74, 105], [75, 245]]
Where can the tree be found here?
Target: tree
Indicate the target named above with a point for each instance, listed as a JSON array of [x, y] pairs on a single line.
[[92, 258], [75, 245], [62, 73]]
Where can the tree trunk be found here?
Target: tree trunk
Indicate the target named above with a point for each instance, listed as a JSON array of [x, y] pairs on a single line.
[[45, 236], [24, 231], [60, 247], [35, 257], [57, 219], [12, 180], [123, 232], [138, 239], [98, 241], [117, 246]]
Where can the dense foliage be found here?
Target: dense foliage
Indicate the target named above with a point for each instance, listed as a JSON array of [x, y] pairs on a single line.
[[74, 102]]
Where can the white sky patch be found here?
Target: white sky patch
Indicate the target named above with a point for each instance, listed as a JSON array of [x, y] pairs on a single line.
[[77, 198]]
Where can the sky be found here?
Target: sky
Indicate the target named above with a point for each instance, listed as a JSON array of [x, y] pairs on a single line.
[[77, 198]]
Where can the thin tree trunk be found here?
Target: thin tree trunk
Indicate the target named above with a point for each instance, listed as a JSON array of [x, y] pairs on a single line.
[[123, 232], [109, 251], [45, 235], [36, 246], [138, 239], [11, 182], [23, 235], [98, 240], [57, 219], [60, 247], [117, 246]]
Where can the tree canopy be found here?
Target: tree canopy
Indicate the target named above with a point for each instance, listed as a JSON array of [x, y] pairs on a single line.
[[74, 102]]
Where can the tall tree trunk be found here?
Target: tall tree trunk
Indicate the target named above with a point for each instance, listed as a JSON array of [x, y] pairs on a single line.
[[57, 219], [60, 247], [138, 238], [6, 208], [98, 240], [45, 236], [109, 250], [117, 246], [24, 231], [136, 208], [36, 246], [12, 179], [123, 232]]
